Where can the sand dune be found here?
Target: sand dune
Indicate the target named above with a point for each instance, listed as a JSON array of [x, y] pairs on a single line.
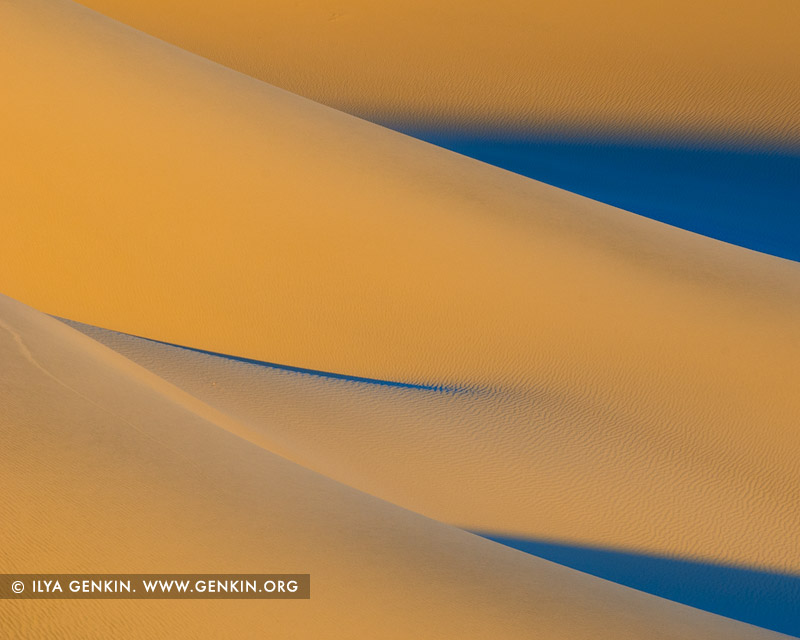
[[683, 112], [541, 463], [113, 469], [716, 71], [153, 192], [598, 378]]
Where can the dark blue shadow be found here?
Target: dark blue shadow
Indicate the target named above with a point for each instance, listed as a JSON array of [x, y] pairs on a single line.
[[765, 599], [285, 367], [320, 374], [744, 197]]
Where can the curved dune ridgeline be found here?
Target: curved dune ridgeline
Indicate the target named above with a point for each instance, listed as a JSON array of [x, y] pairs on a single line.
[[683, 112], [538, 462], [716, 71]]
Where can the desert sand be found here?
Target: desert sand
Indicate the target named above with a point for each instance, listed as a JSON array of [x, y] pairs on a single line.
[[713, 72], [113, 469], [156, 193], [598, 378], [532, 462]]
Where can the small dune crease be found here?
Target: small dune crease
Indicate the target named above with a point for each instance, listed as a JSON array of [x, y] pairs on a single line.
[[33, 361], [86, 493]]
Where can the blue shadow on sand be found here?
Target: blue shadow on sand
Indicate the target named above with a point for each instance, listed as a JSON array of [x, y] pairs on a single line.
[[319, 374], [750, 198], [765, 599], [281, 367]]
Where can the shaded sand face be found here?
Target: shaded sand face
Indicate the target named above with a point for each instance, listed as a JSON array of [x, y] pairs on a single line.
[[716, 71], [113, 469]]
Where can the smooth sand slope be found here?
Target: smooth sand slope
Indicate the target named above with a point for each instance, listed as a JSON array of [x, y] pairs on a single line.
[[105, 467], [722, 71], [672, 110], [527, 462], [150, 191]]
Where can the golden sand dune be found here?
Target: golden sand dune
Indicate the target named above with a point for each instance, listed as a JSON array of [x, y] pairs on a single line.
[[153, 192], [721, 70], [538, 462], [111, 469], [599, 378]]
